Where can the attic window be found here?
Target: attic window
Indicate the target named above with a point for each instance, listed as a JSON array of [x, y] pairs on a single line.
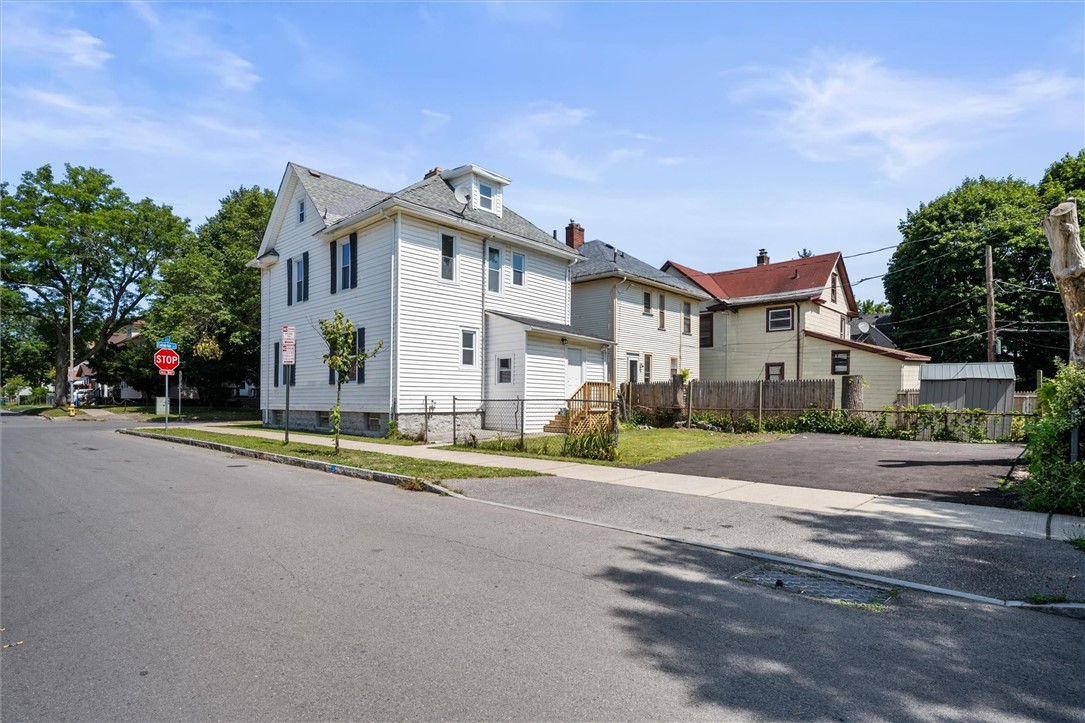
[[832, 291], [485, 197], [301, 211]]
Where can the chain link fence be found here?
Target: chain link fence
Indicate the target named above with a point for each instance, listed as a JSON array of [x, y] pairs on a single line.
[[516, 423]]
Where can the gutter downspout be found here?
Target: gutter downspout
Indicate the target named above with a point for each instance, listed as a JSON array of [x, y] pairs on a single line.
[[393, 285]]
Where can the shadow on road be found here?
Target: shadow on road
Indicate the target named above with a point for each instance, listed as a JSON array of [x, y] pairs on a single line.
[[773, 654]]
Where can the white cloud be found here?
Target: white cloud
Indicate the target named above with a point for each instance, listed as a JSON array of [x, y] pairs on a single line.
[[838, 107], [66, 46], [185, 37], [433, 121], [671, 160]]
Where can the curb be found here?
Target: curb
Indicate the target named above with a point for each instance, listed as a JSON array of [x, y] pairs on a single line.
[[330, 467]]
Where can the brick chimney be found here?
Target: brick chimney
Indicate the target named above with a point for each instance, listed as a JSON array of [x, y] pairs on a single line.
[[574, 235], [762, 258], [435, 171]]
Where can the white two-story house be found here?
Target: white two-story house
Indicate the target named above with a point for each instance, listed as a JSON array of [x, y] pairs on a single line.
[[790, 320], [469, 300], [652, 316]]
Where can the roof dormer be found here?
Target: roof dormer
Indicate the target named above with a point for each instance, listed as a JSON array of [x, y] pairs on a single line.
[[483, 189]]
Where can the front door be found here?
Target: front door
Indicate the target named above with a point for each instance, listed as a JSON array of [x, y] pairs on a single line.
[[574, 370]]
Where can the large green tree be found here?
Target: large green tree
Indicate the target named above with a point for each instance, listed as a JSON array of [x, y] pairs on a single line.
[[209, 302], [936, 280], [80, 238], [24, 347]]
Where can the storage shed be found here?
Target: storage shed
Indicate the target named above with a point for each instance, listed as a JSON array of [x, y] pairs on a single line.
[[988, 385]]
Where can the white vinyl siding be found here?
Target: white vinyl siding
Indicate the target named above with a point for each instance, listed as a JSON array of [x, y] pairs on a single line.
[[592, 307], [543, 296], [366, 307], [432, 313]]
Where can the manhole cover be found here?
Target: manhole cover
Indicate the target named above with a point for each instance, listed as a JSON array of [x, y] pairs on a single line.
[[816, 585]]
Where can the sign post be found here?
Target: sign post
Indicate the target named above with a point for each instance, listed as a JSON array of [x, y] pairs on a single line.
[[167, 360], [289, 347]]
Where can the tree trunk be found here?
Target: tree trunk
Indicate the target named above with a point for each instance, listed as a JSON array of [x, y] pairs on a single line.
[[1068, 268], [851, 394]]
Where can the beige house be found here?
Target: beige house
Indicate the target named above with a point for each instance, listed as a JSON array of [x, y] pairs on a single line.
[[790, 320], [652, 316]]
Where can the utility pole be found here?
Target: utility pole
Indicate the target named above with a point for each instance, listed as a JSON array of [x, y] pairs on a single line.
[[989, 267]]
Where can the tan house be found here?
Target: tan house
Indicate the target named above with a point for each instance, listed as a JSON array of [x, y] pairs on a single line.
[[790, 320], [652, 316]]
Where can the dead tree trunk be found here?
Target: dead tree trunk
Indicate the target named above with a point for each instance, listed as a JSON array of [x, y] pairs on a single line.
[[1068, 268]]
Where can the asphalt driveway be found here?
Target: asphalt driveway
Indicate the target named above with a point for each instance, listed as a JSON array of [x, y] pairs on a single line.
[[943, 471]]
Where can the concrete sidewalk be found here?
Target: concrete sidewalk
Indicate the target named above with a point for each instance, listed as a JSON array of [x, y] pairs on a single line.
[[990, 520]]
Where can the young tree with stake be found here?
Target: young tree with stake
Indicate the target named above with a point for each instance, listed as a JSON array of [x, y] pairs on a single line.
[[343, 356]]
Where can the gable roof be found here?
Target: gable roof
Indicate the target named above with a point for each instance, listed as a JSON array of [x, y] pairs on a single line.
[[604, 260], [796, 280], [341, 203], [335, 198], [872, 348]]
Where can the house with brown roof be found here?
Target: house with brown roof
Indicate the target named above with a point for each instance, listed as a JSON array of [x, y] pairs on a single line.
[[790, 320]]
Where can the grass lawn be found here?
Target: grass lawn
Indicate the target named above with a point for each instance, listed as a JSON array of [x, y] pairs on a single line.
[[400, 441], [425, 469], [636, 447], [56, 412]]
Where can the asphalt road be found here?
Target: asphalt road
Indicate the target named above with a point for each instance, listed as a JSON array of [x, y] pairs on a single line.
[[943, 471], [149, 581]]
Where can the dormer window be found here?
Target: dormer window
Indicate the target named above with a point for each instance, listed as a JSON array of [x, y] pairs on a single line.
[[485, 197]]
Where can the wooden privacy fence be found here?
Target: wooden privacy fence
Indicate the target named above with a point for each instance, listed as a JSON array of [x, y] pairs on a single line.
[[734, 397]]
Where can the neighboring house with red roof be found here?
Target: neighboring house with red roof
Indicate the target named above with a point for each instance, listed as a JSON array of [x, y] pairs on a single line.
[[790, 320]]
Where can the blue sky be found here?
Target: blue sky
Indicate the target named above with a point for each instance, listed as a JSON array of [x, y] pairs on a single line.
[[692, 132]]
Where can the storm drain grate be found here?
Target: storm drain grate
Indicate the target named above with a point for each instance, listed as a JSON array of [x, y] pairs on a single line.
[[819, 586]]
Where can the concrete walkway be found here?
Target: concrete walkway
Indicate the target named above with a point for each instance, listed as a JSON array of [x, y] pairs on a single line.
[[992, 520]]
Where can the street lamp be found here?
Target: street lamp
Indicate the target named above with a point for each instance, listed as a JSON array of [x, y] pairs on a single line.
[[71, 358]]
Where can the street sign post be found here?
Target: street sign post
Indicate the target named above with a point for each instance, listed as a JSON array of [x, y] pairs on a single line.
[[289, 345], [167, 361]]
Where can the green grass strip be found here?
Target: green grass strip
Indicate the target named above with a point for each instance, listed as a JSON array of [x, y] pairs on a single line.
[[376, 461]]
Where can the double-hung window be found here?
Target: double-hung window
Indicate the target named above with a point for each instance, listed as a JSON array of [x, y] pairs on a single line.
[[832, 291], [504, 370], [841, 362], [779, 319], [662, 311], [706, 329], [467, 347], [485, 197], [493, 270], [301, 211], [345, 265], [297, 279], [519, 267], [647, 303], [687, 318], [647, 368], [448, 257], [774, 371]]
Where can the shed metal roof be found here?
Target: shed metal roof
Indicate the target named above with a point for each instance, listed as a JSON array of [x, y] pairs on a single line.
[[969, 370]]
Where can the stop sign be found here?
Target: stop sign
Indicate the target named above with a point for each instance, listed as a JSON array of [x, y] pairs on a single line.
[[167, 359]]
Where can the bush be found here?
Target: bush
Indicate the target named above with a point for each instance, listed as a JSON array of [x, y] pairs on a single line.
[[1055, 484]]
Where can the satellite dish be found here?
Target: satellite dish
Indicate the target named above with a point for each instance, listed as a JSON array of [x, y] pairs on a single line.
[[864, 327], [463, 194]]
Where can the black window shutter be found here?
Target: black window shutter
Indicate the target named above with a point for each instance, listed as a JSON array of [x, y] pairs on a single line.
[[305, 278], [360, 336], [333, 247], [293, 369], [331, 375], [290, 282], [276, 372], [354, 261]]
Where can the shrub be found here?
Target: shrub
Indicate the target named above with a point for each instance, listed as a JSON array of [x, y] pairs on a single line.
[[597, 443], [1055, 484]]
